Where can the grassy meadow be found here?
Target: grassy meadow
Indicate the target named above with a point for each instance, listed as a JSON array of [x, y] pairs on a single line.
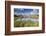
[[28, 23]]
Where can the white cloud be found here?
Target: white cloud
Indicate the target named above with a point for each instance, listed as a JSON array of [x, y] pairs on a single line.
[[34, 12]]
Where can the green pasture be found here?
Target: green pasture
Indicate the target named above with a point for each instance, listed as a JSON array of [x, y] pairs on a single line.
[[24, 23]]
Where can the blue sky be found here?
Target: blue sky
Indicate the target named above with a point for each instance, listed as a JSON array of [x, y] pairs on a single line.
[[22, 10], [25, 11]]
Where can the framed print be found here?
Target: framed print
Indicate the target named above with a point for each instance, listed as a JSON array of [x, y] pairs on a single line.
[[24, 17]]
